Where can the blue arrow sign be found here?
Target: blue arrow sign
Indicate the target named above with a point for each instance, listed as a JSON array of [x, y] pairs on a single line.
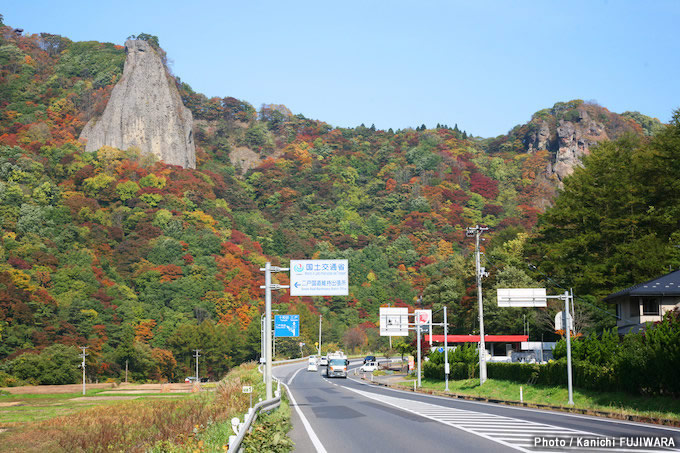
[[287, 325]]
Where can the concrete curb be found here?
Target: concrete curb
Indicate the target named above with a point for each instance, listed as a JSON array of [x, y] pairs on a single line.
[[573, 410]]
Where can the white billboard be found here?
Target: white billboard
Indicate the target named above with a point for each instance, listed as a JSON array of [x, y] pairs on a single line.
[[319, 278], [393, 321], [522, 297]]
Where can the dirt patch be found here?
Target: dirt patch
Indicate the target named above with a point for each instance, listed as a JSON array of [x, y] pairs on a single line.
[[133, 392], [77, 388], [10, 403], [47, 389]]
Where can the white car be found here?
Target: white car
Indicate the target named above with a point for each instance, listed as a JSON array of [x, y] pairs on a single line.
[[311, 364], [323, 361], [369, 367]]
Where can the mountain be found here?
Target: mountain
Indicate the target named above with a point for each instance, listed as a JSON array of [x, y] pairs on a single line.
[[144, 261], [144, 111], [569, 130]]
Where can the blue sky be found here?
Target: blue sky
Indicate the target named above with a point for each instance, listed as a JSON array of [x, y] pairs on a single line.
[[486, 66]]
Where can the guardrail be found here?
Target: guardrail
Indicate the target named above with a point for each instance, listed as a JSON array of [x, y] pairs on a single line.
[[241, 429]]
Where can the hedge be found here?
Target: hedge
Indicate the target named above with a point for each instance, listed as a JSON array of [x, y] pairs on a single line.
[[584, 375]]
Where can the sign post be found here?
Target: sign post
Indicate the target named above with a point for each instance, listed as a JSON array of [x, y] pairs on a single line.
[[268, 286], [536, 297], [423, 318]]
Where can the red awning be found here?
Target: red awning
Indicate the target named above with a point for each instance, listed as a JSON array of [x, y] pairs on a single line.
[[475, 338]]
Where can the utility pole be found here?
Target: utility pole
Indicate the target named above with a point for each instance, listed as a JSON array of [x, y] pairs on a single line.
[[476, 232], [320, 316], [83, 355], [197, 355]]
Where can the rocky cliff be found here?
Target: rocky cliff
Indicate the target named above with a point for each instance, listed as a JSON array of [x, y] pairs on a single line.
[[569, 129], [145, 111]]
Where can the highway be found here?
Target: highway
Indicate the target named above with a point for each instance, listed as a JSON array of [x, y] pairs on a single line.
[[347, 415]]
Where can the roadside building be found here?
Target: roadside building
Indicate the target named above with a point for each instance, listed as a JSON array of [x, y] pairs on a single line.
[[645, 302]]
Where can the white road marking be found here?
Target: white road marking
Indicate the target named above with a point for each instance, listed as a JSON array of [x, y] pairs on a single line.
[[293, 376], [308, 427], [514, 433], [529, 409]]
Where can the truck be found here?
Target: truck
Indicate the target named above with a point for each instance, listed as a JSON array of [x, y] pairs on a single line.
[[337, 365]]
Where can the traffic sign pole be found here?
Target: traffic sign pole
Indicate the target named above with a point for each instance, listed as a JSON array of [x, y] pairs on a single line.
[[268, 269], [446, 352], [268, 329], [568, 332], [418, 333]]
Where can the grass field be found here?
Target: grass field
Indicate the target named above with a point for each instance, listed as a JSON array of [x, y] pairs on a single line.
[[655, 408], [126, 420]]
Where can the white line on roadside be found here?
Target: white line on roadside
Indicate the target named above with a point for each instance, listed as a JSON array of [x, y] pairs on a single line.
[[293, 376], [308, 427], [528, 409]]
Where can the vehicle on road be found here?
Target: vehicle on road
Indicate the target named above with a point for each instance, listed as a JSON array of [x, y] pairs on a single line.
[[323, 361], [369, 367], [337, 365], [311, 364], [369, 358], [190, 379]]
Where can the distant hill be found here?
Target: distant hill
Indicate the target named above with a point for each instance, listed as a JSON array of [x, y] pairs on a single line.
[[145, 261], [568, 130]]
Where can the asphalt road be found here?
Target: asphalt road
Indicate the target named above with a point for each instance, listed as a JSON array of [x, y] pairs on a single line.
[[347, 415]]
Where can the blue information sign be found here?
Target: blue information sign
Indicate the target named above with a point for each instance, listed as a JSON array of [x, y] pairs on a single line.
[[287, 325]]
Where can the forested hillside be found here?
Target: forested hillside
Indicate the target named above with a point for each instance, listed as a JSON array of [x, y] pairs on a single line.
[[143, 261]]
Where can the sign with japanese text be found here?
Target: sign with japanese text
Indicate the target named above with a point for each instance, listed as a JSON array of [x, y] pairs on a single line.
[[287, 325], [319, 278]]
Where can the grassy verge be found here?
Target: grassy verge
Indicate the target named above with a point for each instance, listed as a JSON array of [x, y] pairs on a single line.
[[655, 408], [190, 422]]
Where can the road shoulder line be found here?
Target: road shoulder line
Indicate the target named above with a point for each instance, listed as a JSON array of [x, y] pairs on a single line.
[[308, 427]]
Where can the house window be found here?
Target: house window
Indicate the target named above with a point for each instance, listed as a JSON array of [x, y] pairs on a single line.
[[618, 311], [650, 306]]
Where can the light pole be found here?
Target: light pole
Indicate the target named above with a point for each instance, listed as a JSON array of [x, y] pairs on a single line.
[[320, 316], [476, 232]]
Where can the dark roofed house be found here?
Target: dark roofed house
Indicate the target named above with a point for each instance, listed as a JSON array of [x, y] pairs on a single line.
[[646, 302]]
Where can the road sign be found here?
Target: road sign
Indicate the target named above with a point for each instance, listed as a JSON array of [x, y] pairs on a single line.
[[440, 349], [247, 389], [560, 321], [394, 321], [319, 278], [287, 325], [302, 344], [521, 297], [423, 317]]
